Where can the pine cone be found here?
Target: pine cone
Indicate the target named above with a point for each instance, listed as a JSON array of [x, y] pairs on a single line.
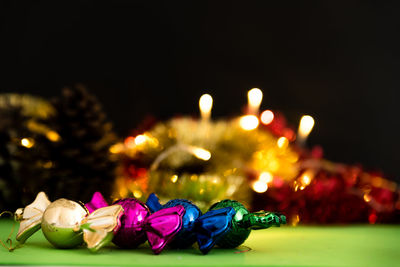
[[82, 163]]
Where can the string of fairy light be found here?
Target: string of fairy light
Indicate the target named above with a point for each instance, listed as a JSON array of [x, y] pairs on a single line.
[[265, 168], [247, 122]]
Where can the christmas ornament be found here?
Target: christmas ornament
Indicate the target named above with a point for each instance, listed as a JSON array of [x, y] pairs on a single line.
[[227, 223], [139, 225], [206, 229], [202, 161], [212, 226], [67, 224], [186, 237], [244, 221]]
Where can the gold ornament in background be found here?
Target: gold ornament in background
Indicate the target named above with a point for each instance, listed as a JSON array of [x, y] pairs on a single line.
[[34, 109], [31, 106], [205, 161]]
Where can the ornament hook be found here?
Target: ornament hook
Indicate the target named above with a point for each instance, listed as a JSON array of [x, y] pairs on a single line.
[[9, 246]]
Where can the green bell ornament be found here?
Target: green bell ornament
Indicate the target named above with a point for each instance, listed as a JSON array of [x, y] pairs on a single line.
[[67, 224], [244, 221]]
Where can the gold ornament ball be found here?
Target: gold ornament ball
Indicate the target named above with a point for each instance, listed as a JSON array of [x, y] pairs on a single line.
[[60, 223]]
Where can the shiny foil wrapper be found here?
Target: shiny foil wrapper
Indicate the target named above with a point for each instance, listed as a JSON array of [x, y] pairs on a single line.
[[67, 224], [131, 233], [186, 236], [139, 225]]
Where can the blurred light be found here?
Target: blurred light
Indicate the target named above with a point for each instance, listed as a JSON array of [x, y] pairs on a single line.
[[306, 177], [254, 97], [215, 180], [137, 194], [265, 177], [53, 136], [200, 153], [377, 181], [205, 105], [130, 142], [227, 172], [306, 125], [267, 117], [171, 133], [260, 186], [27, 142], [48, 165], [282, 142], [140, 139], [116, 148], [306, 180], [123, 192], [278, 182], [201, 191], [367, 198], [273, 165], [296, 186], [289, 134], [174, 178], [293, 158], [248, 122], [295, 220]]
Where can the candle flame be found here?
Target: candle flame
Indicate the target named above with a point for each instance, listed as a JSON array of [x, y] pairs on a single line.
[[254, 97], [205, 105], [306, 125]]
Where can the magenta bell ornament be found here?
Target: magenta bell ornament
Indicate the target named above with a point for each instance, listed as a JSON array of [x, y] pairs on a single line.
[[139, 225], [67, 224]]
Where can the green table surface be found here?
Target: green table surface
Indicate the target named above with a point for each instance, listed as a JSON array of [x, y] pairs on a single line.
[[360, 245]]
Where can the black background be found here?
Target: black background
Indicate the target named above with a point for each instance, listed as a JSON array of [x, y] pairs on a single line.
[[338, 61]]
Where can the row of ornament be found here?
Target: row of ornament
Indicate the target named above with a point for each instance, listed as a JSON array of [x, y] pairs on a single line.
[[129, 222]]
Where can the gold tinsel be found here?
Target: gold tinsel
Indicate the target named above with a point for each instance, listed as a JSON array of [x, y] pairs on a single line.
[[204, 161]]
